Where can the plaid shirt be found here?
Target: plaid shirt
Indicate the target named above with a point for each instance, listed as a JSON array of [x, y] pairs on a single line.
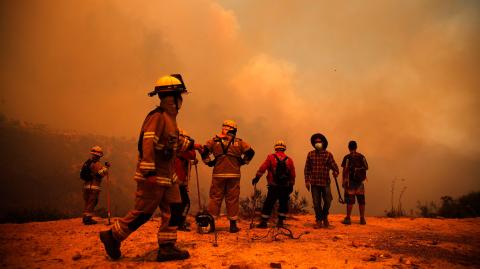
[[318, 166]]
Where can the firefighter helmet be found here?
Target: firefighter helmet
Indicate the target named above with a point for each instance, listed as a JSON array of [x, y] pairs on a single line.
[[97, 151], [168, 85], [229, 123], [280, 145]]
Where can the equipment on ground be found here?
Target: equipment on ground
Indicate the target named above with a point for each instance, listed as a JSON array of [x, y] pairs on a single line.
[[205, 221]]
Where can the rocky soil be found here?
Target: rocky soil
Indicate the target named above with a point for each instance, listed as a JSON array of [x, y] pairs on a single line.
[[382, 243]]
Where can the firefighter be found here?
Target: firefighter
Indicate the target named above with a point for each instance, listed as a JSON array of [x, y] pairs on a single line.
[[183, 163], [92, 173], [230, 153], [158, 145], [280, 178]]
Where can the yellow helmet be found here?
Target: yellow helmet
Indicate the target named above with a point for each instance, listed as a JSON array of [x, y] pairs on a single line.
[[280, 145], [97, 151], [169, 84], [230, 123]]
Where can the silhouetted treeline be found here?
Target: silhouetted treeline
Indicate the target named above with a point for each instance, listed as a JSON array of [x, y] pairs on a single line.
[[40, 172], [466, 206]]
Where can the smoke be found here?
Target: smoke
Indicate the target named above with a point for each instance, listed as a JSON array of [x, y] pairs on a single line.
[[398, 77]]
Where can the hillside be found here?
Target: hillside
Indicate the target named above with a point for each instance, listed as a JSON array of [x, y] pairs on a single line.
[[383, 243], [40, 171]]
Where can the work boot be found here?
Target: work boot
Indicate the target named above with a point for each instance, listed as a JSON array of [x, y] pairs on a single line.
[[326, 223], [318, 224], [347, 221], [363, 221], [280, 223], [88, 220], [233, 226], [112, 246], [170, 252], [263, 224]]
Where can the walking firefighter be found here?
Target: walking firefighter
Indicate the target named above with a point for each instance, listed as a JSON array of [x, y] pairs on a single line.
[[158, 145], [280, 181], [354, 174], [318, 165], [230, 153], [92, 173]]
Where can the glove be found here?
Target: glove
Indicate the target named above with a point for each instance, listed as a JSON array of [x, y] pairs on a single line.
[[211, 163], [107, 164], [308, 186], [255, 180], [335, 174]]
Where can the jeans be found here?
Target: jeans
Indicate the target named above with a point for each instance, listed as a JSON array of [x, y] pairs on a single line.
[[319, 194]]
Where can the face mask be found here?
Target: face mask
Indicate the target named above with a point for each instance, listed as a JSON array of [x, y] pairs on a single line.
[[318, 146]]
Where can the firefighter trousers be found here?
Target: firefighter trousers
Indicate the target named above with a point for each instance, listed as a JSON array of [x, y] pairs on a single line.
[[148, 197], [228, 188], [90, 197]]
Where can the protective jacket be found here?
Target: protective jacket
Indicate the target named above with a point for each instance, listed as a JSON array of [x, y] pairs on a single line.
[[182, 165], [98, 171], [158, 144], [228, 156], [270, 165]]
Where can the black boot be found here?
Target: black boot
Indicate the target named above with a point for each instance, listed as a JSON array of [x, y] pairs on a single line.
[[326, 223], [88, 220], [112, 246], [169, 252], [347, 221], [233, 226], [280, 223], [263, 224]]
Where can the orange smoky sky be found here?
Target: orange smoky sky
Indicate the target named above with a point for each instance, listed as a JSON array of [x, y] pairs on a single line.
[[400, 77]]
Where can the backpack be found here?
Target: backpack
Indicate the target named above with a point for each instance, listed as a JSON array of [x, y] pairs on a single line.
[[357, 168], [86, 172], [281, 175]]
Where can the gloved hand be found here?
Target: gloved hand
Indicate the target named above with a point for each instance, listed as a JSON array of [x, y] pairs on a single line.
[[308, 186], [107, 164], [211, 163], [255, 180], [335, 174]]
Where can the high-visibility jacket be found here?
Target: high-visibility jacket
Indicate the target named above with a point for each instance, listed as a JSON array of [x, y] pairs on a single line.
[[158, 145], [182, 165], [98, 171]]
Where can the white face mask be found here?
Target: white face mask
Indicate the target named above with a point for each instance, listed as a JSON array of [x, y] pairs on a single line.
[[318, 146]]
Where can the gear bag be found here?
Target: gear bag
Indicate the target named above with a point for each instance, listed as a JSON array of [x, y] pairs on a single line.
[[357, 168], [281, 175], [86, 172]]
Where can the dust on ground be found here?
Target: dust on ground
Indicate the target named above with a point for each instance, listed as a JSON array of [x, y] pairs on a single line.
[[382, 243]]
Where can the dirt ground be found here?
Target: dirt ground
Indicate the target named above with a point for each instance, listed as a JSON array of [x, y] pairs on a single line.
[[382, 243]]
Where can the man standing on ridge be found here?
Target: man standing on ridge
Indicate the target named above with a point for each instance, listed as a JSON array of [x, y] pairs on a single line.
[[280, 178], [158, 145], [92, 173], [230, 153], [354, 173], [317, 178]]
